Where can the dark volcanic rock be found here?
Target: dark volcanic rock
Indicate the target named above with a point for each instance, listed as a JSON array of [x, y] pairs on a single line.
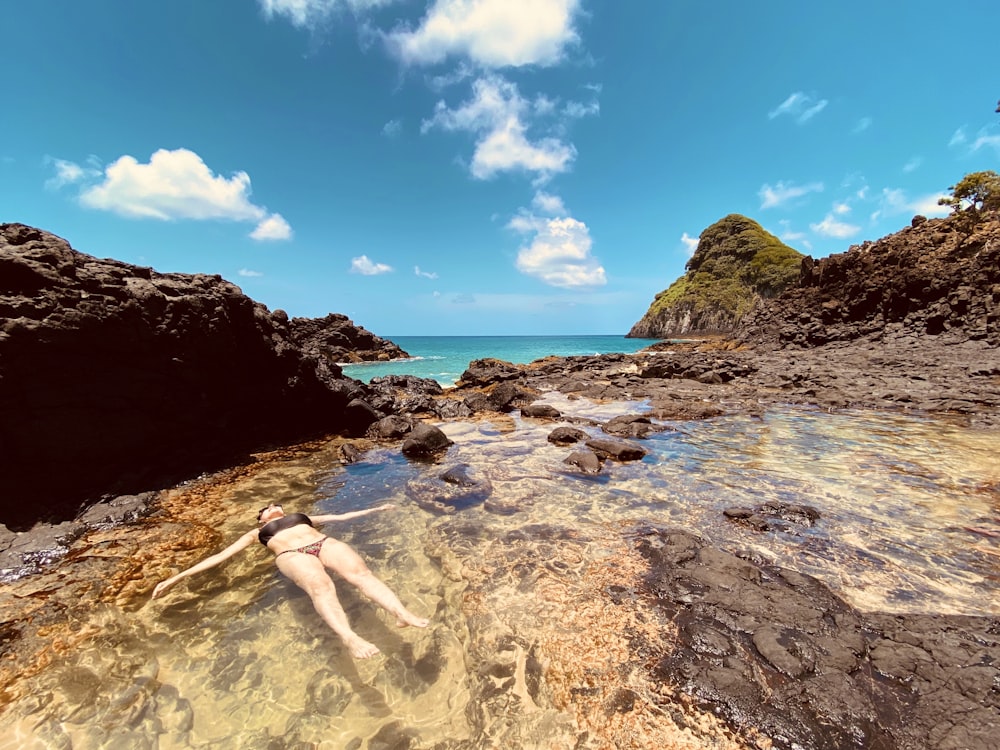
[[769, 649], [585, 461], [940, 277], [454, 489], [425, 440], [566, 435], [619, 450], [336, 339], [116, 379]]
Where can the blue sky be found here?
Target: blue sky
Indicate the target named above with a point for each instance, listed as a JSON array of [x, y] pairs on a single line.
[[482, 166]]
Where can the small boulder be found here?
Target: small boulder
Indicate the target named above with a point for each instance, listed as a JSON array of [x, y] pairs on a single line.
[[585, 461], [618, 450], [567, 435], [424, 440], [540, 411]]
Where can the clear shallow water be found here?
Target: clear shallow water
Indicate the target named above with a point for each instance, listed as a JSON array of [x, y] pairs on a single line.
[[445, 358], [237, 658]]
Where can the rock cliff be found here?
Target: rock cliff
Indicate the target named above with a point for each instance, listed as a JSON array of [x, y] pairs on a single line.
[[115, 378], [735, 266], [937, 278]]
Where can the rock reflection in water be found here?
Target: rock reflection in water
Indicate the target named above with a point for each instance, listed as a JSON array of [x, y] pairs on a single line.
[[540, 636]]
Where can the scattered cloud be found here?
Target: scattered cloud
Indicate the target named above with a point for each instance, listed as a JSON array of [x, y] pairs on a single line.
[[309, 14], [548, 204], [987, 141], [783, 192], [913, 164], [862, 125], [800, 107], [559, 252], [497, 114], [247, 273], [392, 129], [69, 173], [424, 274], [172, 185], [832, 227], [273, 227], [895, 201], [366, 267], [690, 243], [490, 33], [842, 208], [958, 138]]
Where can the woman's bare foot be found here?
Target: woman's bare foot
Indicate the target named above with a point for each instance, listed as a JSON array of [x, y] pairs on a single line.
[[408, 618], [360, 648]]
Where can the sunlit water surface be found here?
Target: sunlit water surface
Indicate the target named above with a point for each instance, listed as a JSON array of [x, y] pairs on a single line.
[[237, 658]]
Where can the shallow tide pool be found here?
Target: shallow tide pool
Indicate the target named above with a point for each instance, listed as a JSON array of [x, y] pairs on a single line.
[[909, 518]]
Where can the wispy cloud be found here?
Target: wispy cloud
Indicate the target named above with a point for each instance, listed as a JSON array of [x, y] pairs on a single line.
[[986, 141], [895, 202], [799, 106], [490, 33], [548, 204], [247, 273], [366, 267], [497, 114], [862, 125], [69, 173], [690, 243], [832, 227], [424, 274], [174, 185], [559, 252], [309, 14], [913, 164], [783, 192], [392, 129], [958, 138]]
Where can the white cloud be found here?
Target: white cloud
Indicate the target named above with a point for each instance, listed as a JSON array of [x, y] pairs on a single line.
[[548, 204], [67, 173], [988, 141], [801, 107], [309, 14], [273, 227], [958, 138], [559, 253], [392, 129], [364, 265], [424, 274], [842, 208], [831, 227], [783, 192], [496, 114], [913, 164], [895, 201], [179, 185], [690, 243], [491, 33], [862, 125], [246, 272]]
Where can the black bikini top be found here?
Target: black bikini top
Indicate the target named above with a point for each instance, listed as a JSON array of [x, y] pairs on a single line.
[[269, 529]]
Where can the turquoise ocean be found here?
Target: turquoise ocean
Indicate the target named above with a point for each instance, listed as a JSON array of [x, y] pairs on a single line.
[[445, 358]]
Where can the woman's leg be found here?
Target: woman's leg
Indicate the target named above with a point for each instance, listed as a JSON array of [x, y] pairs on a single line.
[[308, 574], [345, 562]]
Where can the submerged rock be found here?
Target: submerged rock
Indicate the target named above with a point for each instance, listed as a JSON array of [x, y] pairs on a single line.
[[425, 440]]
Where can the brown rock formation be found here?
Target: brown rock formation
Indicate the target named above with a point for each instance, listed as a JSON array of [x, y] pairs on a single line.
[[115, 378], [936, 278]]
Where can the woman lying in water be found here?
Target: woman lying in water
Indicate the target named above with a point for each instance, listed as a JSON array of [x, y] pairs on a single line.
[[304, 554]]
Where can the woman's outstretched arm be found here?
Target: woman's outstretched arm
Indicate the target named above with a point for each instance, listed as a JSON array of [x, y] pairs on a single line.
[[209, 562], [353, 514]]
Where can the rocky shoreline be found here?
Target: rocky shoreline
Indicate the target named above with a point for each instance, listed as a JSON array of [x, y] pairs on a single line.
[[780, 659]]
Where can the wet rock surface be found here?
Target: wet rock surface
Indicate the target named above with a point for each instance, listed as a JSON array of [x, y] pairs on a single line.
[[773, 650]]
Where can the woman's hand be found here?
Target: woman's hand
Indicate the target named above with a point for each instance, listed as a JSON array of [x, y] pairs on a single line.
[[161, 587]]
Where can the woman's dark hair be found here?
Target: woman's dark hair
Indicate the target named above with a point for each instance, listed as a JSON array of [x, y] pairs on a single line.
[[261, 511]]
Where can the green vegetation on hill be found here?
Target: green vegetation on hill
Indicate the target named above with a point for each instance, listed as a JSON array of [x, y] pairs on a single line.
[[737, 263]]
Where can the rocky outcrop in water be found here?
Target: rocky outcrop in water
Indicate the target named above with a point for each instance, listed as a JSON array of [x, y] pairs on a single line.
[[736, 266], [115, 378]]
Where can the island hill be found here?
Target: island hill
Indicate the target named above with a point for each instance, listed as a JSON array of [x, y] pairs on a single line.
[[736, 266]]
